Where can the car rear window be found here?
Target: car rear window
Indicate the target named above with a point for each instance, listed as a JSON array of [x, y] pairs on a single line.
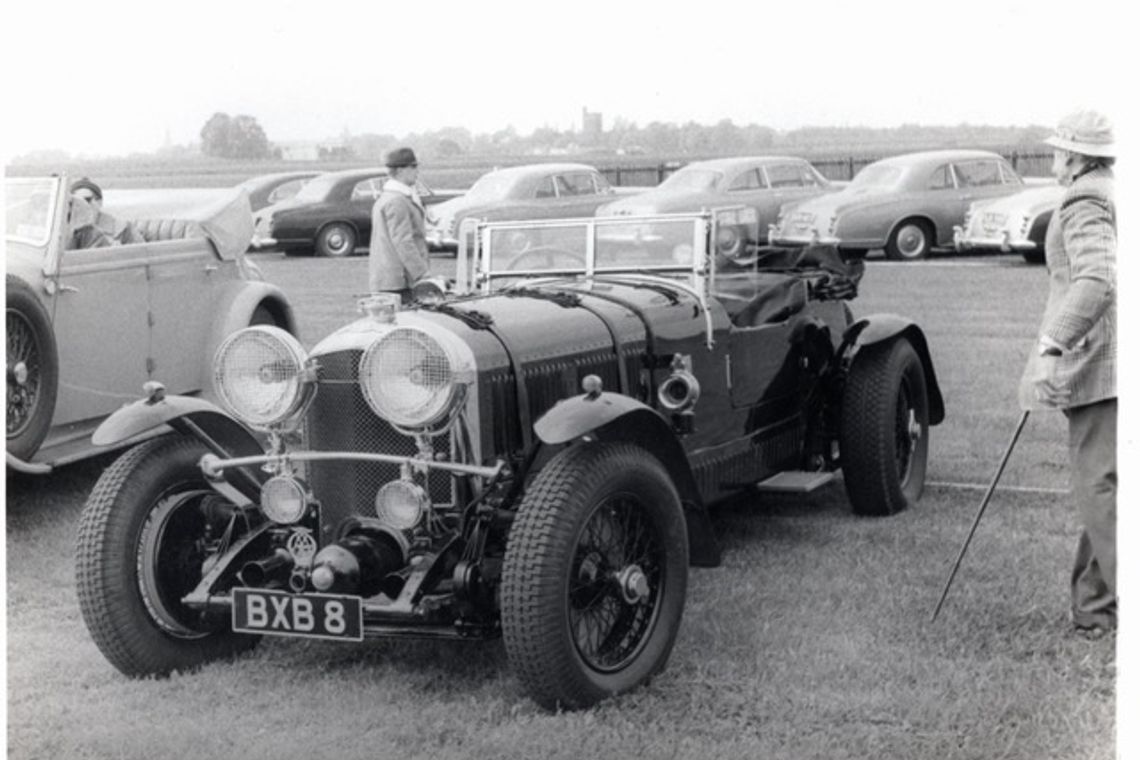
[[978, 173]]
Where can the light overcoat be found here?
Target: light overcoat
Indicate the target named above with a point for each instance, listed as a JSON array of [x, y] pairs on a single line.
[[397, 252], [1080, 314]]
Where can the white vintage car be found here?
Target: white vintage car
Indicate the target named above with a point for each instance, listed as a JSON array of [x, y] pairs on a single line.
[[1014, 223]]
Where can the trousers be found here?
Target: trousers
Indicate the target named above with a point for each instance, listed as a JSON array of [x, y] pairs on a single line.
[[1092, 457]]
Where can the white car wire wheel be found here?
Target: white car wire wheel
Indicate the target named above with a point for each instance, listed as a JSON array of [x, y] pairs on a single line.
[[911, 240], [145, 532], [595, 575], [33, 369], [884, 432]]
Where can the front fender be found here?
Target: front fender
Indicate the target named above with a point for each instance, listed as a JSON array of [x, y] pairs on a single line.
[[615, 417], [878, 328], [210, 424]]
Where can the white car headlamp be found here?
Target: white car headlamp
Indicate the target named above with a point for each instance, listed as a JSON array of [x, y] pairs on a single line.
[[401, 504], [260, 375], [415, 377], [283, 500]]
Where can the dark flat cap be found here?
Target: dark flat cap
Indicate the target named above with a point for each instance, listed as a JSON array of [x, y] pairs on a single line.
[[401, 157], [85, 183]]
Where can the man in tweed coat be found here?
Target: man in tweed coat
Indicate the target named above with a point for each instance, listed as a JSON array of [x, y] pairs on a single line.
[[1074, 365], [397, 253]]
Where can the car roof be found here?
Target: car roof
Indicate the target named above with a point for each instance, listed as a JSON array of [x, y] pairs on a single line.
[[740, 161], [349, 174], [932, 157], [530, 170], [283, 175]]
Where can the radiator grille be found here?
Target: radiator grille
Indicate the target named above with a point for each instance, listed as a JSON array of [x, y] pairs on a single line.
[[341, 420]]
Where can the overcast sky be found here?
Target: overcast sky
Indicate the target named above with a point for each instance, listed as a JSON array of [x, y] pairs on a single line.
[[113, 76]]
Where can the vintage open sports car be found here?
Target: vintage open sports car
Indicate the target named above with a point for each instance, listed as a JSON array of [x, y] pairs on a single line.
[[85, 327], [905, 204], [1014, 223], [531, 455], [532, 191], [764, 183]]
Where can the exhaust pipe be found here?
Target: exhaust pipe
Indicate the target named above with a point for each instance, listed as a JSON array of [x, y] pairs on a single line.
[[260, 573], [360, 564]]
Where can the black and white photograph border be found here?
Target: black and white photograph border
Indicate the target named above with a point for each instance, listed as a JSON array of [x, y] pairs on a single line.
[[89, 82]]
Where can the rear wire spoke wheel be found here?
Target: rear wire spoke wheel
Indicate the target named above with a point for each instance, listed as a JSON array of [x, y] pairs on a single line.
[[148, 530], [32, 369], [595, 575], [884, 429]]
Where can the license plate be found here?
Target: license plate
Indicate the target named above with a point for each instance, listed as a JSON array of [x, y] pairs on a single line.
[[315, 616]]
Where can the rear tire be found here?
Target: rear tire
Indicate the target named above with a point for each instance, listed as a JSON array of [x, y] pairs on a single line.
[[336, 240], [594, 577], [884, 431], [140, 548], [910, 241], [33, 369]]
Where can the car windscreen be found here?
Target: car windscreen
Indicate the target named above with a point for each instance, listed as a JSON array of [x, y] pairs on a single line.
[[877, 175], [29, 205], [490, 187], [701, 180]]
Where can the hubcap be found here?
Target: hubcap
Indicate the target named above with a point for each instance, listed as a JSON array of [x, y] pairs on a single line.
[[911, 240]]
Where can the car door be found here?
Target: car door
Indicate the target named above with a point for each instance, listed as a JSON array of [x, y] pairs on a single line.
[[185, 274], [359, 208], [100, 322], [945, 202]]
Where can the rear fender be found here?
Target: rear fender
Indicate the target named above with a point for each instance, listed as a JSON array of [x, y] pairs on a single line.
[[243, 298], [614, 417], [879, 328]]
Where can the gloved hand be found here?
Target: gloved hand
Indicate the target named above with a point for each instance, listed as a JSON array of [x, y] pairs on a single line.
[[1048, 388]]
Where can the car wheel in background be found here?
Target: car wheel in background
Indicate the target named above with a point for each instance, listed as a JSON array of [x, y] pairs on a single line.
[[33, 369], [336, 240], [884, 428], [595, 574], [910, 241], [150, 526]]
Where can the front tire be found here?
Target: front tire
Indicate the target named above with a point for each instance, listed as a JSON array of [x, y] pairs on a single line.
[[32, 369], [143, 536], [884, 431], [594, 577], [336, 240], [910, 241]]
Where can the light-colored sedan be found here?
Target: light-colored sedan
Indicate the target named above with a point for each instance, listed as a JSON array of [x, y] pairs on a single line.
[[88, 327], [1014, 223], [905, 204], [533, 191]]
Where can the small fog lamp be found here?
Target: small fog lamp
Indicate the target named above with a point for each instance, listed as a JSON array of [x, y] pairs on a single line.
[[401, 504], [283, 500]]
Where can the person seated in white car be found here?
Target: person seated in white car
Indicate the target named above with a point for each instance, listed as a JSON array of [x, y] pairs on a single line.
[[97, 228]]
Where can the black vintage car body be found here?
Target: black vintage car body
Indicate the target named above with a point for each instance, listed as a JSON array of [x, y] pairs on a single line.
[[530, 456]]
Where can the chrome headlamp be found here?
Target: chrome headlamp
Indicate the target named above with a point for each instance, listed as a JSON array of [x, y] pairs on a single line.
[[283, 500], [261, 377], [401, 504], [416, 377]]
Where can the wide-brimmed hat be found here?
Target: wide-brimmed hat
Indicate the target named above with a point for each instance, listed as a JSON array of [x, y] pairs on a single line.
[[1085, 131], [85, 183], [401, 157]]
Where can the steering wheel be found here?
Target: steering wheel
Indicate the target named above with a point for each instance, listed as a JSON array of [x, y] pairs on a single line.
[[547, 257]]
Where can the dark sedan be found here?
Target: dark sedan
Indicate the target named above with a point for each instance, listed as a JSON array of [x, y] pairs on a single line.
[[330, 215]]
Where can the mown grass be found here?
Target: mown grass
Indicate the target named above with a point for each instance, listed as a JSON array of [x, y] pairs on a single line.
[[811, 640]]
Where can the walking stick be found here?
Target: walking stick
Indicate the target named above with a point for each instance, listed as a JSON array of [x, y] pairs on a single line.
[[981, 509]]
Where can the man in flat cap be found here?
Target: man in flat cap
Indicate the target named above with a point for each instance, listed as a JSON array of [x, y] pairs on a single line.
[[397, 252], [1073, 367], [93, 227]]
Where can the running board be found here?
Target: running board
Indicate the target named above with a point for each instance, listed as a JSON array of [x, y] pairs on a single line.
[[796, 481]]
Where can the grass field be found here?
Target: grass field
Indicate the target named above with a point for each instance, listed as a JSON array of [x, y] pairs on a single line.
[[811, 640]]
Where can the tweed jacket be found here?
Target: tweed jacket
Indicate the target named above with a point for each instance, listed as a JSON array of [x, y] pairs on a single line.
[[1080, 313], [397, 252]]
